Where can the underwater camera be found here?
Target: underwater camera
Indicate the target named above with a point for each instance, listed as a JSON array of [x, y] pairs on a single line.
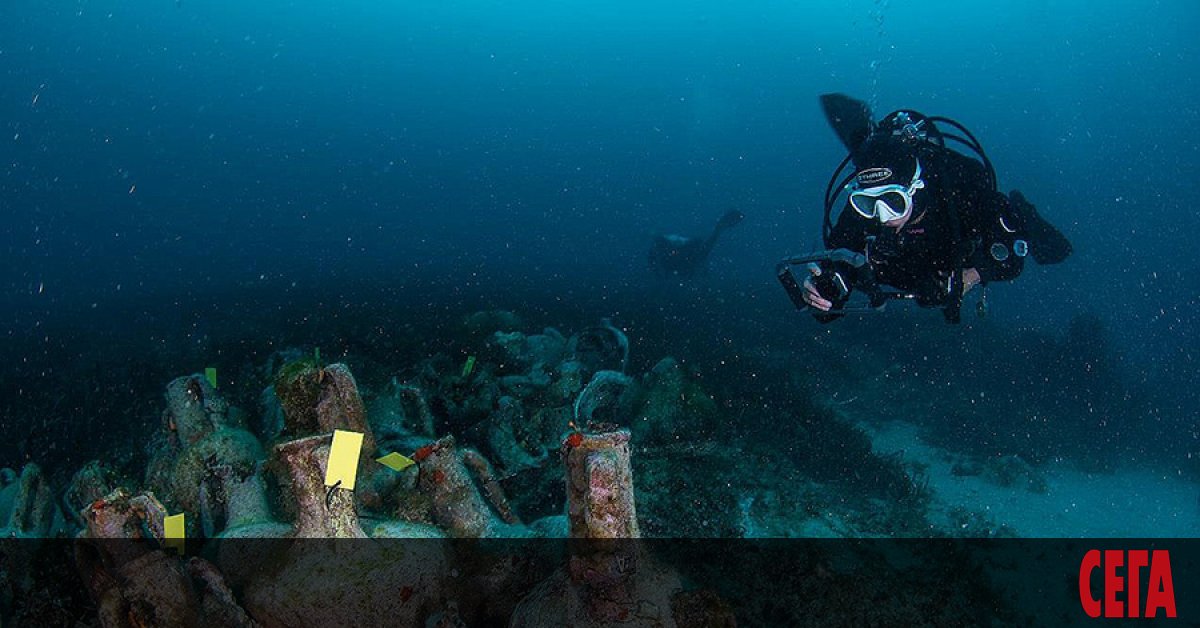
[[792, 271]]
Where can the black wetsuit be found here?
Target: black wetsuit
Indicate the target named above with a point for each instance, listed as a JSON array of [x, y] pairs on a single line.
[[686, 257], [680, 256], [955, 222], [958, 219]]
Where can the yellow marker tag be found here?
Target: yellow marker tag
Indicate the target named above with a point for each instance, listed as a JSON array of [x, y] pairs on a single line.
[[343, 459], [173, 532], [395, 461], [211, 374]]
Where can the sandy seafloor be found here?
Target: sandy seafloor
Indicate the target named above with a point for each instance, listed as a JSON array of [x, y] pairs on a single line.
[[1129, 502]]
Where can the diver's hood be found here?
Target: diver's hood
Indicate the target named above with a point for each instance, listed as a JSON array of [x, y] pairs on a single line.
[[884, 160]]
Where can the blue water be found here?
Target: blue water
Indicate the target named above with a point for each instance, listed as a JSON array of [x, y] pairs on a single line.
[[178, 165]]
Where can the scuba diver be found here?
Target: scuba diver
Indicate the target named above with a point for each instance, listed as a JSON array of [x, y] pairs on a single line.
[[684, 257], [922, 221]]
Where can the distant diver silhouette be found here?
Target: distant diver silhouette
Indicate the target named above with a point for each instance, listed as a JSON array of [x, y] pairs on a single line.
[[684, 257]]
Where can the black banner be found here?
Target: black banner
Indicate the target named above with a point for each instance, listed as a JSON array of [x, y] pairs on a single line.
[[645, 582]]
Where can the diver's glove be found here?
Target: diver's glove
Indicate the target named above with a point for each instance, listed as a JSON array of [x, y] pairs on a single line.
[[826, 291]]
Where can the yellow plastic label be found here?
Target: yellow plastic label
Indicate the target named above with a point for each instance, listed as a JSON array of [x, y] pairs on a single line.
[[469, 366], [211, 374], [173, 531], [343, 459], [395, 461]]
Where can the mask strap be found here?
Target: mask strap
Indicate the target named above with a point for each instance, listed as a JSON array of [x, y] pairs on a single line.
[[917, 182]]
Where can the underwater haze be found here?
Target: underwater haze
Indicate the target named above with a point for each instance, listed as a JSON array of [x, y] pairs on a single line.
[[189, 184]]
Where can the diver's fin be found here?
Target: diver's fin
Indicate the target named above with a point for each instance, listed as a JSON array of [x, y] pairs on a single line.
[[730, 219], [850, 119], [1047, 244]]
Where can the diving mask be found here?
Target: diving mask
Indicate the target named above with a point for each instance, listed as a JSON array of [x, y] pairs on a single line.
[[887, 202]]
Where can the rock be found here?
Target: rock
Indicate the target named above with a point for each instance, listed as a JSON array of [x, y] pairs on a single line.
[[1013, 471]]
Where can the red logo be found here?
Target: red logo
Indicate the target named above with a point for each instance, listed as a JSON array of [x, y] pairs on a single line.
[[1159, 590]]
